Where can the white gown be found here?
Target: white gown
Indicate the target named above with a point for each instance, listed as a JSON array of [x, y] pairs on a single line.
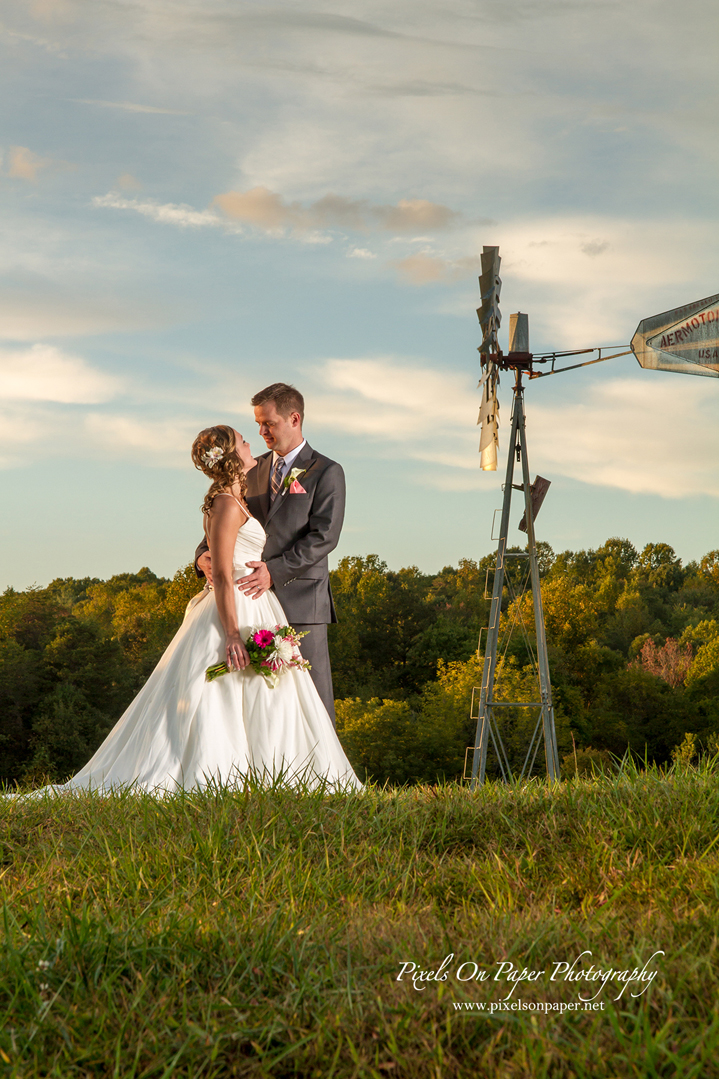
[[184, 732]]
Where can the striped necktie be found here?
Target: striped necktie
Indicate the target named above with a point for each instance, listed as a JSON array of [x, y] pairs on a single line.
[[276, 479]]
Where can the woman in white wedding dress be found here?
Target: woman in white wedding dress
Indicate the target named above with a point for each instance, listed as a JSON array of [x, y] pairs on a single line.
[[184, 732]]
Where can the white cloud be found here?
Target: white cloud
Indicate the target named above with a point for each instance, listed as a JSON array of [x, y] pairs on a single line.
[[400, 409], [24, 164], [645, 435], [44, 373], [586, 280], [598, 296], [168, 213], [266, 212], [128, 106], [425, 268], [384, 395], [159, 443], [362, 96], [655, 435]]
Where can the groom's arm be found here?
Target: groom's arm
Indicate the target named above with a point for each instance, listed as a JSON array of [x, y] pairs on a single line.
[[204, 548], [325, 524]]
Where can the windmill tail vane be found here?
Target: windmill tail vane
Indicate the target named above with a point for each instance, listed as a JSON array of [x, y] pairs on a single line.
[[490, 285]]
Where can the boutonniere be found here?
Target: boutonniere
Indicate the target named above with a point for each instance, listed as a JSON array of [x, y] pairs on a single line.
[[292, 483]]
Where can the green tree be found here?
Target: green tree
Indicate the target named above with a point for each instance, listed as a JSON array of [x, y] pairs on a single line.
[[388, 741], [659, 566], [637, 709], [65, 733], [382, 614]]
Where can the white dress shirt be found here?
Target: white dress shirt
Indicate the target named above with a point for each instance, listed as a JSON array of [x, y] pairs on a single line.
[[288, 459]]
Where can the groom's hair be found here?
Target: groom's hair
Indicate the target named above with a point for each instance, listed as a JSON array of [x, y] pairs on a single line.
[[286, 399]]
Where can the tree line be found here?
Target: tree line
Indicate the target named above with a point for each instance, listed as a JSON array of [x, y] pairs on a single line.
[[633, 645]]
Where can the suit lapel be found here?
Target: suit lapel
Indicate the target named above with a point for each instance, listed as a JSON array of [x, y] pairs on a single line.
[[304, 460]]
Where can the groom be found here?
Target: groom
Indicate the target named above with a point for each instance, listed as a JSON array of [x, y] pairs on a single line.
[[298, 496]]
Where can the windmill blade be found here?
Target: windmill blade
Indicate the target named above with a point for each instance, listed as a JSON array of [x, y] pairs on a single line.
[[490, 286], [489, 419]]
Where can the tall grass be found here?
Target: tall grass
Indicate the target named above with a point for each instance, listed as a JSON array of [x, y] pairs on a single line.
[[255, 932]]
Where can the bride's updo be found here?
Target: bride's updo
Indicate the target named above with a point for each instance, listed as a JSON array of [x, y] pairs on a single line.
[[214, 452]]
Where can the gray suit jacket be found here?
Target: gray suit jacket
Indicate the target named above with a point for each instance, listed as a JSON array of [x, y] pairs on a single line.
[[302, 530]]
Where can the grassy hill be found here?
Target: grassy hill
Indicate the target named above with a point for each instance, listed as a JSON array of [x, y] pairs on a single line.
[[254, 933]]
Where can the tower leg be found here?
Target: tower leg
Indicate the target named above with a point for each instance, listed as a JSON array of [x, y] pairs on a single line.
[[545, 684], [485, 716]]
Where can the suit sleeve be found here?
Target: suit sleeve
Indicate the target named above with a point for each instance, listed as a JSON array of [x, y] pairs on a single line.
[[204, 546], [324, 527]]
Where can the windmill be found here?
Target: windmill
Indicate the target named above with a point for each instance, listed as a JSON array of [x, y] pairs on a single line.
[[684, 340]]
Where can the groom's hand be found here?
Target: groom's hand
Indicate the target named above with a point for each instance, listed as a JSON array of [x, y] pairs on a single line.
[[255, 584], [204, 563]]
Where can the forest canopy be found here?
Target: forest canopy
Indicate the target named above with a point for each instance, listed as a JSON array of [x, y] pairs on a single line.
[[633, 642]]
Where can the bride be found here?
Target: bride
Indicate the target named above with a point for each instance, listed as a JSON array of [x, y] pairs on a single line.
[[182, 731]]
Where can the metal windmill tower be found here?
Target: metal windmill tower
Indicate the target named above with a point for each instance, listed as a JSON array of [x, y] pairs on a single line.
[[683, 340]]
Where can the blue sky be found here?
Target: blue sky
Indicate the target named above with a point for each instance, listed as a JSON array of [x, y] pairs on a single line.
[[201, 198]]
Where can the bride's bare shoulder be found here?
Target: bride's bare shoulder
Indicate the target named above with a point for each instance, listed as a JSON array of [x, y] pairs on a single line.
[[225, 505]]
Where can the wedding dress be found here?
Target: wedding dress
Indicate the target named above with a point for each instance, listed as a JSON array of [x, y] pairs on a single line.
[[184, 732]]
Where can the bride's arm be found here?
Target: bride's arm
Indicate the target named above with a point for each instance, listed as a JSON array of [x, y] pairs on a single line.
[[225, 519]]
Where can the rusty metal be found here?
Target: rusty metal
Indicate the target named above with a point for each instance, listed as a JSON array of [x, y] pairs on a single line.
[[552, 358], [539, 492]]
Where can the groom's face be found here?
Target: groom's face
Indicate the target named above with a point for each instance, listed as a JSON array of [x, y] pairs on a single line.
[[281, 433]]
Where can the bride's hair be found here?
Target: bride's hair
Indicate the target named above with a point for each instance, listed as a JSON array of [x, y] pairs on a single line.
[[214, 452]]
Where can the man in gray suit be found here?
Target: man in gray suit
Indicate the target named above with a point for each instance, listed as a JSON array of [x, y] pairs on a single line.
[[298, 496]]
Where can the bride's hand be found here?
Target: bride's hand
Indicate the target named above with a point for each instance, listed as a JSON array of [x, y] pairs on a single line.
[[237, 655]]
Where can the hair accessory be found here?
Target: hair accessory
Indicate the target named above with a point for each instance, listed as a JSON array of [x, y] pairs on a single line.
[[213, 455]]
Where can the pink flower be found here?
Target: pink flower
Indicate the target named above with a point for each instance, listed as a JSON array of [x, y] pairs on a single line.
[[263, 638]]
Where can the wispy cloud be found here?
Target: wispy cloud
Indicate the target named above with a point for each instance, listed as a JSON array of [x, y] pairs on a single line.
[[25, 165], [651, 435], [44, 373], [589, 279], [128, 182], [360, 253], [645, 435], [129, 106], [125, 436], [169, 213], [426, 269], [267, 209]]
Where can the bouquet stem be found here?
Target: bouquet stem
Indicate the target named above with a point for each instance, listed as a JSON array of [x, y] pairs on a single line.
[[215, 672]]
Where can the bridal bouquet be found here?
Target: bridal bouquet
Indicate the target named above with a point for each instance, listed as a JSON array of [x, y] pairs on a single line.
[[272, 650]]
